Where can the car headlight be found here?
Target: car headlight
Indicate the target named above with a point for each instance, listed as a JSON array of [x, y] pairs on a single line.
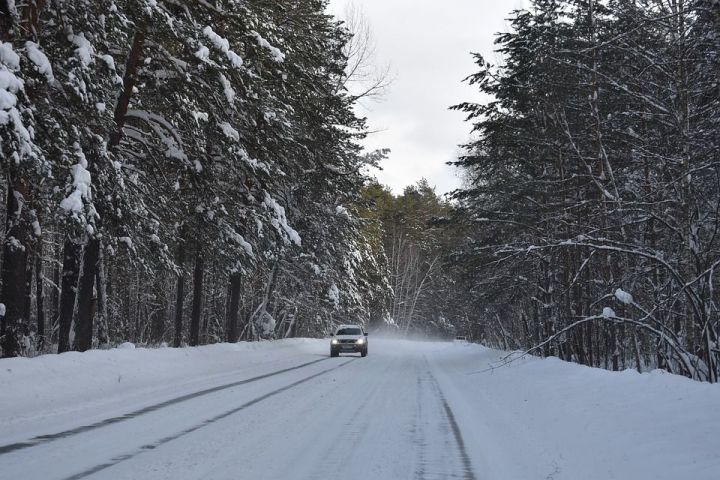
[[334, 341], [361, 341]]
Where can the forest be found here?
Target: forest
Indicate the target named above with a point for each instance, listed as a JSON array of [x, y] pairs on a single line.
[[592, 195], [181, 173], [178, 172]]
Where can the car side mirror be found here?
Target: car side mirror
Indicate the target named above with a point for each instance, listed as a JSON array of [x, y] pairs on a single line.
[[332, 334], [366, 334]]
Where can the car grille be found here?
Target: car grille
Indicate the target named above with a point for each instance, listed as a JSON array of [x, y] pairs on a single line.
[[348, 341]]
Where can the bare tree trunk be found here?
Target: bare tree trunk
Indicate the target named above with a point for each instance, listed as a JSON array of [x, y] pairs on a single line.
[[158, 310], [15, 281], [232, 316], [6, 19], [179, 299], [133, 62], [14, 270], [197, 298], [55, 297], [127, 331], [70, 275], [636, 348], [418, 291], [86, 301], [615, 344], [137, 334], [102, 320], [29, 267], [39, 299], [292, 328], [86, 297]]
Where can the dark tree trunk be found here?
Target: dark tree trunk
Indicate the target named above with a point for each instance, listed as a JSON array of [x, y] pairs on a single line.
[[137, 334], [179, 300], [27, 300], [86, 297], [103, 334], [55, 297], [197, 298], [86, 300], [6, 20], [127, 320], [232, 314], [15, 250], [131, 66], [39, 299], [14, 270], [616, 348], [70, 275], [31, 16], [158, 316]]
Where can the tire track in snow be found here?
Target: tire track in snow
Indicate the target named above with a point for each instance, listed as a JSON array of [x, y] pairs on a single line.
[[40, 439], [468, 473], [435, 447], [164, 440], [352, 433], [418, 431]]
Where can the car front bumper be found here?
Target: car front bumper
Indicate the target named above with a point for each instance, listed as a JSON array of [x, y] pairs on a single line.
[[349, 347]]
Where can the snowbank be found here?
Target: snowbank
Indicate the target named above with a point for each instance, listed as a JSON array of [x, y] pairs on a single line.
[[546, 418], [532, 419], [53, 391]]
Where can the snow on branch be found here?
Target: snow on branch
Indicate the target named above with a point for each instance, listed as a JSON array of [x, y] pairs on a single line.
[[40, 60], [84, 50], [10, 88], [230, 132], [73, 203], [223, 45], [227, 89], [240, 240], [173, 144], [10, 85], [279, 220], [275, 52]]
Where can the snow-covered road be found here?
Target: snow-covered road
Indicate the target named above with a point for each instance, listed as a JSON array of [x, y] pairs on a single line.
[[410, 410]]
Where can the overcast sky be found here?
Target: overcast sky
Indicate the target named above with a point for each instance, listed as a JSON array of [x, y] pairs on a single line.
[[427, 44]]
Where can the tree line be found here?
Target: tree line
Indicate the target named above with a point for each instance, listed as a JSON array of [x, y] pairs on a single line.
[[190, 172], [178, 172], [414, 239]]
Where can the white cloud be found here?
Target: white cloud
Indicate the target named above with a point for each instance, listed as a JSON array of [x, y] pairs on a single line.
[[428, 45]]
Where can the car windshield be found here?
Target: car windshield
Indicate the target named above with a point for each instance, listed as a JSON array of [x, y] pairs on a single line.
[[348, 331]]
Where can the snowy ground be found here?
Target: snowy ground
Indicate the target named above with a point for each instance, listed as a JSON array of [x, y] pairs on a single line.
[[410, 410]]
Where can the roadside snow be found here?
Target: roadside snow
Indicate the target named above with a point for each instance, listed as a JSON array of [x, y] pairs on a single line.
[[545, 418], [397, 414], [47, 393]]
